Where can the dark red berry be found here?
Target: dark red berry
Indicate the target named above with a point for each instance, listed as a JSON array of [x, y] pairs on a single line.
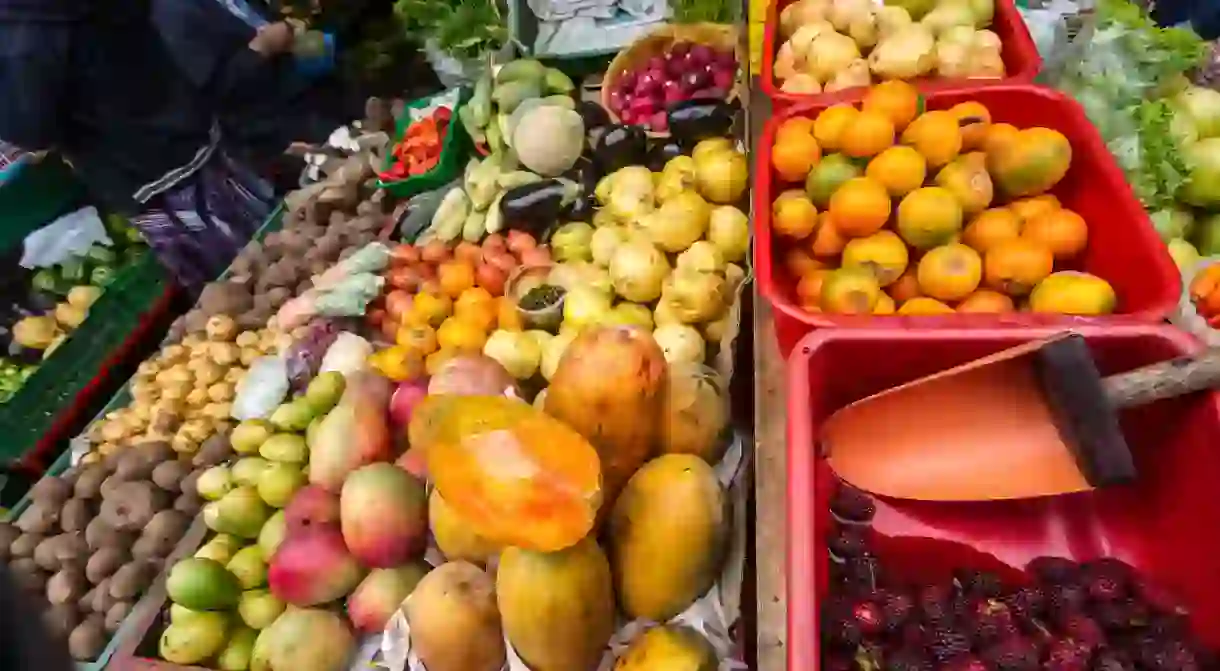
[[1119, 615], [852, 505], [934, 603], [838, 623], [1167, 656], [1111, 660], [989, 620], [907, 659], [858, 574], [913, 634], [1158, 598], [1084, 630], [869, 617], [838, 661], [1012, 654], [1066, 655], [978, 583], [1027, 603], [1106, 579], [945, 643], [846, 542], [964, 662], [1166, 625], [1053, 570], [1064, 600]]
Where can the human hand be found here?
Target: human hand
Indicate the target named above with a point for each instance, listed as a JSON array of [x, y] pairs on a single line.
[[273, 38]]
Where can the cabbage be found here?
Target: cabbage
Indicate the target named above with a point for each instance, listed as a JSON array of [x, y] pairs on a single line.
[[1203, 187], [1202, 106]]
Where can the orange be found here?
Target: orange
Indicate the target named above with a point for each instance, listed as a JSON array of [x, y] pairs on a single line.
[[928, 217], [885, 305], [793, 215], [508, 317], [809, 287], [1063, 232], [896, 99], [950, 272], [800, 262], [973, 118], [905, 287], [849, 291], [883, 253], [797, 125], [922, 305], [1016, 266], [899, 169], [420, 339], [860, 207], [827, 239], [936, 135], [1028, 208], [430, 309], [991, 227], [986, 301], [794, 155], [455, 277], [1073, 293], [869, 134], [462, 335], [997, 135], [828, 127]]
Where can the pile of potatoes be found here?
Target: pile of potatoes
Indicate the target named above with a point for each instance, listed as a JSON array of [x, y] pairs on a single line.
[[94, 539], [184, 394]]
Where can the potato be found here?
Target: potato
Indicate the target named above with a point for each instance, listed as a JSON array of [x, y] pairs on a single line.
[[246, 339], [113, 431], [174, 353], [148, 369], [107, 449], [141, 413], [91, 458], [146, 392], [197, 398], [208, 372], [221, 392], [226, 354], [173, 407], [249, 355], [183, 444], [218, 411], [192, 341], [197, 430], [175, 391], [221, 328], [235, 375]]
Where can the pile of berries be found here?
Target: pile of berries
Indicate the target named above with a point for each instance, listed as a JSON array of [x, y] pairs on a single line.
[[1099, 615]]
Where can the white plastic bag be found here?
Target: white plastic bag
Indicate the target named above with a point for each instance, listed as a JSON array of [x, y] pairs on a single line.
[[68, 236], [263, 388]]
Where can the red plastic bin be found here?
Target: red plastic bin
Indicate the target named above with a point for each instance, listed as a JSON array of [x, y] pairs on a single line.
[[1020, 54], [1157, 525], [1124, 249]]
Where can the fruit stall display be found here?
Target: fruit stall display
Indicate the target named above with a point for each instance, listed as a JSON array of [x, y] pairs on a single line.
[[918, 585], [994, 206], [815, 48], [317, 405]]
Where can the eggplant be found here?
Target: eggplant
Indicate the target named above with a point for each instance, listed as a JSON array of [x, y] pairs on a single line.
[[593, 114], [581, 209], [695, 120], [620, 146], [584, 173], [661, 151], [535, 208]]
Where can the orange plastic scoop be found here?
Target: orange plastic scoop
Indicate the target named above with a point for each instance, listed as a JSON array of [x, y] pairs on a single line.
[[1034, 420]]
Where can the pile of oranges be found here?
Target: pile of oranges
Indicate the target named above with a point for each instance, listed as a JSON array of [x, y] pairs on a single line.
[[895, 210]]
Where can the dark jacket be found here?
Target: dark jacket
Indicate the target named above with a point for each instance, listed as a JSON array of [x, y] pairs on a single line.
[[25, 643]]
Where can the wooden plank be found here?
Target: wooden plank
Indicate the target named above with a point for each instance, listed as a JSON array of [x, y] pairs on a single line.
[[770, 484]]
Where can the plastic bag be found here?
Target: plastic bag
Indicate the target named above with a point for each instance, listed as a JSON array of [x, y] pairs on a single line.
[[304, 358], [263, 388], [298, 311], [350, 297], [372, 258], [348, 354], [68, 236]]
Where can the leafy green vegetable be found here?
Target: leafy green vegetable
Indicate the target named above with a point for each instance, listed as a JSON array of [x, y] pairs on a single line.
[[464, 29], [713, 11], [1122, 74]]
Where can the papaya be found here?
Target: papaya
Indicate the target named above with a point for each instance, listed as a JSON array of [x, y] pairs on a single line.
[[557, 608], [668, 648], [667, 536], [608, 387], [1031, 162], [515, 475]]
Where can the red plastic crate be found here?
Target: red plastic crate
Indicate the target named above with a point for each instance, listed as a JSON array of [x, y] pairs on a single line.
[[1124, 249], [1020, 54], [1157, 525]]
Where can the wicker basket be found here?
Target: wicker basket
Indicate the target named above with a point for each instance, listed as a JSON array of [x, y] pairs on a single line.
[[657, 43]]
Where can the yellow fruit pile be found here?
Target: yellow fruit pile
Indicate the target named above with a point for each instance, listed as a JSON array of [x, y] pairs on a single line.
[[906, 211]]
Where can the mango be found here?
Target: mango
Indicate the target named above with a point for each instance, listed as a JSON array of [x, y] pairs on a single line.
[[558, 607], [304, 639], [668, 648], [453, 618], [1073, 293], [383, 512], [1032, 162], [675, 503], [454, 535]]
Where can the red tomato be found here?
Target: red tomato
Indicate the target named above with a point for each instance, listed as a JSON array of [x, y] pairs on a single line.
[[398, 304]]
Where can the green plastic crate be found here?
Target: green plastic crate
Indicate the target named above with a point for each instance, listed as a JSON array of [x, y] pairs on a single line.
[[455, 148]]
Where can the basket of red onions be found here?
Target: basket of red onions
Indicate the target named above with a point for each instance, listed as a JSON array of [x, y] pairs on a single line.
[[668, 66]]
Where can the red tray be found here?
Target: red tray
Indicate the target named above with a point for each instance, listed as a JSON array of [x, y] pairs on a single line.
[[1123, 248], [1020, 54], [1156, 525]]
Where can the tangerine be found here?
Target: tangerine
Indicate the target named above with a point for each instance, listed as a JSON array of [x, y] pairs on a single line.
[[797, 125], [1028, 208], [420, 339], [429, 308], [1073, 293], [936, 135], [827, 239], [997, 135], [896, 99], [906, 286], [828, 127], [1062, 231], [508, 317], [973, 118], [986, 301], [793, 215], [800, 262], [899, 169], [885, 305], [849, 291], [950, 272], [869, 134], [883, 253], [1016, 266], [929, 217], [991, 227], [477, 306], [455, 277], [809, 287], [794, 155], [860, 207], [459, 334], [922, 305]]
